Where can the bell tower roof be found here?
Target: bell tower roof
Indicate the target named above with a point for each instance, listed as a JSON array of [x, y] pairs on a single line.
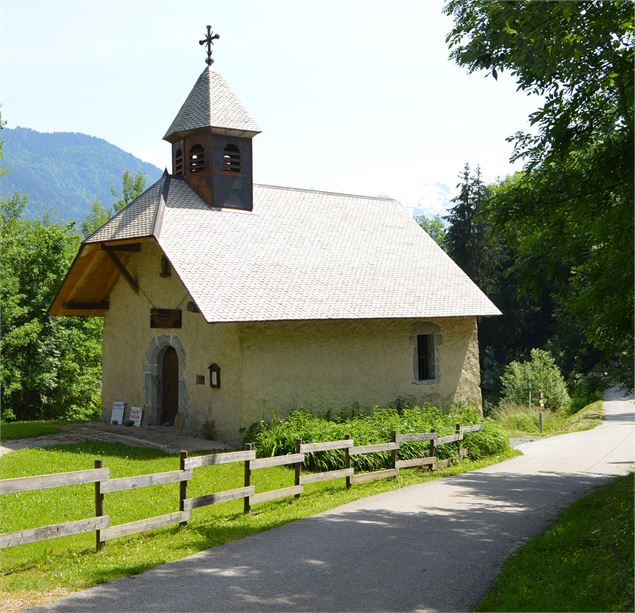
[[212, 104]]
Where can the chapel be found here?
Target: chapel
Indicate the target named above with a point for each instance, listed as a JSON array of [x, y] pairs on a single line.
[[227, 302]]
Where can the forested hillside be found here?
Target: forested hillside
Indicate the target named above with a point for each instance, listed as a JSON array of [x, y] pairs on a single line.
[[63, 173]]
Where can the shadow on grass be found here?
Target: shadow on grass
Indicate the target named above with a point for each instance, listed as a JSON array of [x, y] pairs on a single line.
[[120, 450]]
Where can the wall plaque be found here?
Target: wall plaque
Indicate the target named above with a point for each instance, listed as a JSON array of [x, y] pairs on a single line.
[[136, 414], [116, 415], [165, 318]]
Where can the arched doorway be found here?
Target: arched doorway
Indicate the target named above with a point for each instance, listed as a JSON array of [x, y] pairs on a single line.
[[169, 386]]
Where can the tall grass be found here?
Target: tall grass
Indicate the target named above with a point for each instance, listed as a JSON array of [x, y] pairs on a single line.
[[518, 418], [515, 419], [279, 436]]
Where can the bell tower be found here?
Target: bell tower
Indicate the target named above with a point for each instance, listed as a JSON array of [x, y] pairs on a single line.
[[211, 139]]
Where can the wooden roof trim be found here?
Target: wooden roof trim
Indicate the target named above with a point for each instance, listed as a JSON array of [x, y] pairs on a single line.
[[89, 261], [54, 307], [157, 222]]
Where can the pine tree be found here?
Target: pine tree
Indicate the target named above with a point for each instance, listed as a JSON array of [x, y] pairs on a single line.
[[468, 240]]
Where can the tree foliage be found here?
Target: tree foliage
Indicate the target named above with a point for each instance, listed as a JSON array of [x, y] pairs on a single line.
[[539, 374], [434, 227], [132, 186], [569, 216], [51, 366], [97, 217], [468, 239], [578, 55]]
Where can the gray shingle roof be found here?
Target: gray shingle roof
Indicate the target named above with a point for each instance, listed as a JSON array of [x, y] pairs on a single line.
[[135, 221], [211, 103], [304, 254]]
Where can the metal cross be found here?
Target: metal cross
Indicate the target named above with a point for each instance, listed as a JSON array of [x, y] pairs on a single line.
[[209, 41]]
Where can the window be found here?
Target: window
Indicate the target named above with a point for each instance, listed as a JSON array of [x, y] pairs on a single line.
[[197, 159], [214, 375], [166, 269], [231, 159], [426, 367], [178, 163]]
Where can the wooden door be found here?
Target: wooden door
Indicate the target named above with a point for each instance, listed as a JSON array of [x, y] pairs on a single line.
[[170, 388]]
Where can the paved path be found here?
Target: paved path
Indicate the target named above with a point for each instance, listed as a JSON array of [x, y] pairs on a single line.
[[430, 547]]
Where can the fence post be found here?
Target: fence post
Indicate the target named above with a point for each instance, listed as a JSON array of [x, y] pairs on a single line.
[[433, 450], [298, 465], [347, 460], [246, 502], [99, 506], [459, 443], [182, 486], [542, 408], [393, 453]]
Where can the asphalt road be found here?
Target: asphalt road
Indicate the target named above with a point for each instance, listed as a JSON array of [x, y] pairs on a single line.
[[431, 547]]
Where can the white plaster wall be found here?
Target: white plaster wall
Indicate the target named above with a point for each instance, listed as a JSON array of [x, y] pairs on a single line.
[[335, 364], [271, 368], [127, 337]]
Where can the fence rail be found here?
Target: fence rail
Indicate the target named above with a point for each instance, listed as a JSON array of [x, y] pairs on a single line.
[[42, 482], [100, 476], [130, 483]]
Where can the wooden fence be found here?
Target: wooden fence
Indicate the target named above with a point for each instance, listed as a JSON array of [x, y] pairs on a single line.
[[100, 476]]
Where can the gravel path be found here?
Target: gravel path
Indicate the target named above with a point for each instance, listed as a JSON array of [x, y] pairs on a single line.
[[158, 437], [437, 546]]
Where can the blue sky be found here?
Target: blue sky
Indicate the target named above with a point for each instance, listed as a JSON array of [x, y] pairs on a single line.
[[356, 96]]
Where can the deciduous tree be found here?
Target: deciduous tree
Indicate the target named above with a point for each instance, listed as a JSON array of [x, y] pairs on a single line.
[[435, 227], [569, 215]]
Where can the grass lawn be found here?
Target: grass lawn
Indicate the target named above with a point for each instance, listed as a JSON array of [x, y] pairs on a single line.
[[520, 421], [32, 572], [28, 429], [584, 562]]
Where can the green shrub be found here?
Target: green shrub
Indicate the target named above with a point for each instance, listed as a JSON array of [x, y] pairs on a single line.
[[540, 373], [278, 436], [492, 440]]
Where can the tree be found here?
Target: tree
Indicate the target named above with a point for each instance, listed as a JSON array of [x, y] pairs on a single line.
[[97, 217], [468, 240], [539, 374], [569, 216], [578, 55], [435, 227], [50, 367], [131, 188]]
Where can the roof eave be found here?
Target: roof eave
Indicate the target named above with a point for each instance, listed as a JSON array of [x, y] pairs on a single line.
[[177, 135]]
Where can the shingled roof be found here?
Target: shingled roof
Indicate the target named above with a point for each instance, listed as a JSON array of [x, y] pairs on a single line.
[[211, 104], [300, 255]]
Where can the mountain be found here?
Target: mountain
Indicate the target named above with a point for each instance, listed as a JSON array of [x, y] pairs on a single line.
[[65, 172]]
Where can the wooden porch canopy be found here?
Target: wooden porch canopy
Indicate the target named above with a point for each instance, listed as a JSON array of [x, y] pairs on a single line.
[[86, 289]]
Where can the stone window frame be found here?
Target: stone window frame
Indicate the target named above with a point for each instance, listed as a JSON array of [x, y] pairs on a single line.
[[420, 329]]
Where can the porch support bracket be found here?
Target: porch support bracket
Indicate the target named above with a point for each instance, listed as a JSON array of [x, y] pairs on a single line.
[[122, 269]]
